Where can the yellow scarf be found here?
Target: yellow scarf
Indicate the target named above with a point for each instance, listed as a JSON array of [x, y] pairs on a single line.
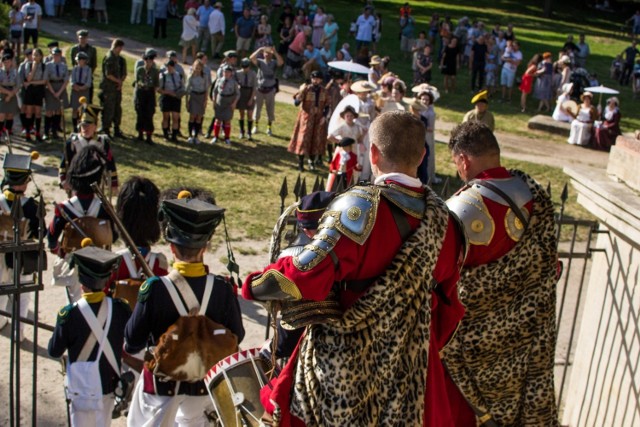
[[93, 297], [190, 269]]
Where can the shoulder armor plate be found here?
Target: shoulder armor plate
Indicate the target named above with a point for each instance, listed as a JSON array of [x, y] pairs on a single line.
[[411, 202], [474, 215], [352, 214], [514, 187]]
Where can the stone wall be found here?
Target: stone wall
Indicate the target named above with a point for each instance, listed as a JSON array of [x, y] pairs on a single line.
[[604, 389]]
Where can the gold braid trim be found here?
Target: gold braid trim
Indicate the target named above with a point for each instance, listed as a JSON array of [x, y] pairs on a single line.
[[285, 285]]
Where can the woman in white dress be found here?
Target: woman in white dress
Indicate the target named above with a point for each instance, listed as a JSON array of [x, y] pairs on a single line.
[[561, 114], [582, 124]]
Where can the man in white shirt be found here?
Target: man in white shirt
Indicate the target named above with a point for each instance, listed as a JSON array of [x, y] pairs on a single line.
[[32, 15], [365, 25], [511, 59], [582, 53], [216, 29]]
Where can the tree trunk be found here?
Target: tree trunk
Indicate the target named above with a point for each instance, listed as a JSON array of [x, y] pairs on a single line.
[[547, 9]]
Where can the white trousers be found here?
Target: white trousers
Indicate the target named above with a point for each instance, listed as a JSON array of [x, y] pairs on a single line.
[[94, 418], [149, 410]]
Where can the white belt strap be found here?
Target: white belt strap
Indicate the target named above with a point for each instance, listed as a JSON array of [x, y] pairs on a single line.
[[87, 348], [93, 323], [177, 286]]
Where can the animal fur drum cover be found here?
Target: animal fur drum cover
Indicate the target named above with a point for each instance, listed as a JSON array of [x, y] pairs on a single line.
[[190, 347]]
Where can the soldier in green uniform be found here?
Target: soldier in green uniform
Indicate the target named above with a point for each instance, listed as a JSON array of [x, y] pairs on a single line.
[[147, 84], [92, 54], [114, 73]]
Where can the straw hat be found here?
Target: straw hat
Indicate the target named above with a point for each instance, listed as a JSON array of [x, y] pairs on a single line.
[[586, 94], [375, 60], [362, 86], [414, 103]]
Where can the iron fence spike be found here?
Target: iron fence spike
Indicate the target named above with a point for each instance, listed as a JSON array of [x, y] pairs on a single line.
[[303, 188], [284, 190], [565, 193], [296, 188]]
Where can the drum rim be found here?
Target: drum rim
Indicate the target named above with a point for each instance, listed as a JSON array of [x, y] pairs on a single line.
[[228, 362]]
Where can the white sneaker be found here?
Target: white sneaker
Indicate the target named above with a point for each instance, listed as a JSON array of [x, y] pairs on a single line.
[[227, 141], [254, 130], [241, 135], [269, 131], [196, 141], [190, 140], [214, 140]]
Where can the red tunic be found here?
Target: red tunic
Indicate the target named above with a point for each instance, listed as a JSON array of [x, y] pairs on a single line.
[[366, 261], [350, 166], [500, 244]]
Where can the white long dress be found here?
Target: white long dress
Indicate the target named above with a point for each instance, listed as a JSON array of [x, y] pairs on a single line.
[[581, 128]]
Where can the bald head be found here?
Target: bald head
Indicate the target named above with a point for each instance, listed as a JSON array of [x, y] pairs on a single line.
[[398, 136]]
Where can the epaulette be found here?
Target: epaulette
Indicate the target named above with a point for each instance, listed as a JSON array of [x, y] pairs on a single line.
[[145, 289], [124, 303], [63, 313]]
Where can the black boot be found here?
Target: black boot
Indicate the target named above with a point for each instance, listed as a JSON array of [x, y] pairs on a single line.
[[38, 122], [140, 136], [241, 123], [117, 133], [249, 129], [47, 128], [55, 125], [174, 135], [165, 132], [300, 163], [149, 140]]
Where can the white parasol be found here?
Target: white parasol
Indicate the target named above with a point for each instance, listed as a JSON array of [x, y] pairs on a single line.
[[349, 100], [351, 67], [600, 90]]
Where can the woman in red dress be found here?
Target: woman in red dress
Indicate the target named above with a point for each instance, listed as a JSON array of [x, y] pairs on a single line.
[[526, 86]]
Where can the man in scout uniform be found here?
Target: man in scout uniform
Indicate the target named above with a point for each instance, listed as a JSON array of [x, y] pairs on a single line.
[[86, 136], [114, 73], [17, 174], [481, 111], [80, 329], [92, 54], [188, 224], [146, 84]]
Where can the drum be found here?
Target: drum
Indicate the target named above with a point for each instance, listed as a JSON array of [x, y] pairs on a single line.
[[98, 229], [234, 385], [572, 107], [128, 290]]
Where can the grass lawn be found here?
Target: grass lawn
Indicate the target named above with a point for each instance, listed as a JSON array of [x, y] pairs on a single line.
[[246, 177], [535, 33]]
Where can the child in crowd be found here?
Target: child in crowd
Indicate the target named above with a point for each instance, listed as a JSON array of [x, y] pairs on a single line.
[[343, 165], [490, 70], [616, 68]]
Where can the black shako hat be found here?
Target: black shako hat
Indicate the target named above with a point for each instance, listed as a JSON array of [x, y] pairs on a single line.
[[17, 169], [95, 266], [189, 222]]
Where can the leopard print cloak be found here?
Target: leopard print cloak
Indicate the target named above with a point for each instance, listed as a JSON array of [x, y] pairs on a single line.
[[370, 367], [502, 355]]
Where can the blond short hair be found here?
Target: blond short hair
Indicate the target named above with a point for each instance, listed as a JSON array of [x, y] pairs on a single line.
[[400, 138]]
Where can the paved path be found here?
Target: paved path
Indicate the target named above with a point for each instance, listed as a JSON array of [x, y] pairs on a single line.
[[536, 150]]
